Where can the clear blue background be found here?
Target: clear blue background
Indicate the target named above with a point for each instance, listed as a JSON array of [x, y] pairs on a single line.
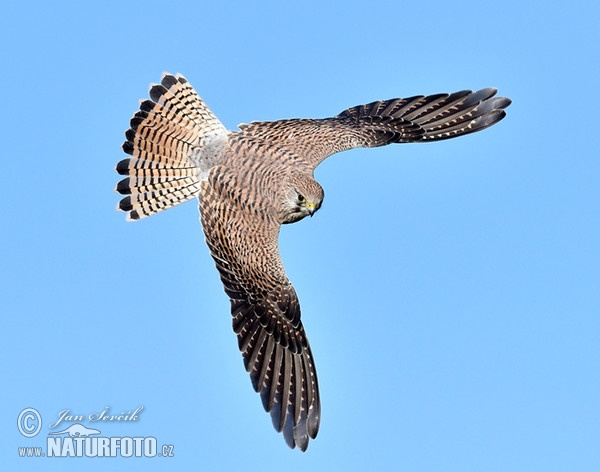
[[451, 291]]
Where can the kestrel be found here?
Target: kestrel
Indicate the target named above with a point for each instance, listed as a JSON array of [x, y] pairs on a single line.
[[250, 182]]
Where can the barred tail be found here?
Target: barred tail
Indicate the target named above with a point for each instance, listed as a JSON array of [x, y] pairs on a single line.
[[168, 140]]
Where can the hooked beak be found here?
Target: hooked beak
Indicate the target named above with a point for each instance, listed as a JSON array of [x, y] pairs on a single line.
[[311, 208]]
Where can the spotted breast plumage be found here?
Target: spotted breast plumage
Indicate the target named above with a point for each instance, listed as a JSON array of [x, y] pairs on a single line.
[[250, 182]]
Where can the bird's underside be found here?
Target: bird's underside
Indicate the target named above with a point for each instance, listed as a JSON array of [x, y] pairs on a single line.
[[251, 181]]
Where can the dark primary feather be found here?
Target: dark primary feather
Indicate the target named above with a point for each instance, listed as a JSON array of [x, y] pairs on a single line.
[[437, 117]]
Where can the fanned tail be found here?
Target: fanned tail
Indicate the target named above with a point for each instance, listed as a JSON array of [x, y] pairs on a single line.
[[172, 140]]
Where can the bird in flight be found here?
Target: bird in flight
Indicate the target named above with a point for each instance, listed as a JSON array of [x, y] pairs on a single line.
[[251, 181]]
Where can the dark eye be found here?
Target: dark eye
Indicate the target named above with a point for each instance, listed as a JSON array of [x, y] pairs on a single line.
[[301, 198]]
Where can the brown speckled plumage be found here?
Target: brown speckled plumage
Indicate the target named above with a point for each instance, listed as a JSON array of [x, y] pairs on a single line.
[[250, 182]]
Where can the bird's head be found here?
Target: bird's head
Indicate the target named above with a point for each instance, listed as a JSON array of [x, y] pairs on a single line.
[[303, 197]]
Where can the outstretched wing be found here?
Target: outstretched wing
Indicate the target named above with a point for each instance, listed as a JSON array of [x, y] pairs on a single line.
[[264, 305], [400, 120]]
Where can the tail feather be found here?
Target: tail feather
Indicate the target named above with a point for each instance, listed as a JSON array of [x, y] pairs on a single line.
[[145, 180], [146, 152], [162, 197], [166, 138]]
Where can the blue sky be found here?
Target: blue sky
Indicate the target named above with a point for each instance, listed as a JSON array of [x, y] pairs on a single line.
[[450, 290]]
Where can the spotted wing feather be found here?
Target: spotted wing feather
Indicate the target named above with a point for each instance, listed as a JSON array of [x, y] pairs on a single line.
[[264, 306]]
